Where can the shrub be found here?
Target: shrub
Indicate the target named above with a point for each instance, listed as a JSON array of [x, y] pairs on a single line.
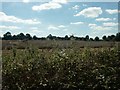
[[48, 69]]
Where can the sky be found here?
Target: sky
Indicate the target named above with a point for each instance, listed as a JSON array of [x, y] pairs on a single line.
[[59, 18]]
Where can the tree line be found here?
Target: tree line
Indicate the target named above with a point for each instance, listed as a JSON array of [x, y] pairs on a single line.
[[22, 36]]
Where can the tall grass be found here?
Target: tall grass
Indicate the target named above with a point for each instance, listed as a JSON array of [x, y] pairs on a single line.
[[74, 68]]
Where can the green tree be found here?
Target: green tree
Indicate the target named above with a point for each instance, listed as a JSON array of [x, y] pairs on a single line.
[[96, 38], [91, 39], [7, 36], [72, 37], [50, 37], [66, 37], [21, 36], [87, 38], [28, 36], [35, 37], [104, 38]]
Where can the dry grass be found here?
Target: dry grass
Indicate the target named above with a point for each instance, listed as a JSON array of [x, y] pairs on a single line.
[[43, 44]]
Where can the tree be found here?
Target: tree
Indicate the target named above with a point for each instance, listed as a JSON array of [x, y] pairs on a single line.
[[21, 36], [7, 36], [91, 39], [50, 37], [15, 37], [28, 36], [113, 37], [96, 38], [35, 38], [117, 37], [66, 37], [72, 37], [104, 38], [86, 38]]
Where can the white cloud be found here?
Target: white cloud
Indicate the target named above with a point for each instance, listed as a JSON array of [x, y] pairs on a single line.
[[103, 19], [26, 1], [51, 27], [61, 26], [91, 12], [13, 19], [112, 11], [9, 27], [36, 31], [76, 7], [91, 25], [47, 6], [60, 1], [76, 23], [102, 28], [110, 24], [96, 27], [54, 4]]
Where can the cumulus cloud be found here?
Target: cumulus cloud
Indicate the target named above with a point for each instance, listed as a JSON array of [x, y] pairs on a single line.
[[26, 1], [76, 7], [76, 23], [91, 12], [110, 24], [54, 4], [61, 26], [103, 19], [13, 19], [112, 11], [51, 27], [47, 6], [96, 27], [60, 1], [9, 27], [92, 25]]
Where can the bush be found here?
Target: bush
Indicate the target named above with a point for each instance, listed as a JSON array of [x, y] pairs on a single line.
[[48, 69]]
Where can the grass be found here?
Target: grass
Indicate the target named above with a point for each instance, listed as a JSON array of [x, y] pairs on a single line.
[[56, 69], [48, 44]]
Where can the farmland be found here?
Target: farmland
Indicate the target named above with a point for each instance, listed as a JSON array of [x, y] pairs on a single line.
[[59, 45], [21, 44], [58, 65]]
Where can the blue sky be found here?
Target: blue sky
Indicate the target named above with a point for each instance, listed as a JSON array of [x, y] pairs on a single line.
[[60, 18]]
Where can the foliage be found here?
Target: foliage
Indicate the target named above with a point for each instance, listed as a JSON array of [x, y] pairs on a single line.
[[21, 36], [73, 69], [96, 38]]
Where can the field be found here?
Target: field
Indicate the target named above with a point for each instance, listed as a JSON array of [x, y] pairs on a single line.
[[51, 65], [48, 44]]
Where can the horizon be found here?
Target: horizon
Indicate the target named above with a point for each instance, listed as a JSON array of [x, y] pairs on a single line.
[[59, 36], [60, 18]]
